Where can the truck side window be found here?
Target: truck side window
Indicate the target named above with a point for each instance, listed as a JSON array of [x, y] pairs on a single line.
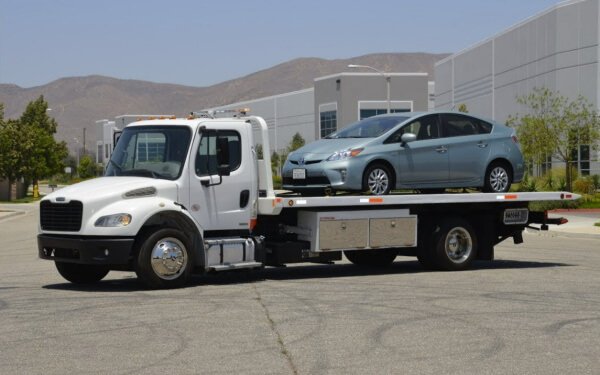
[[207, 157]]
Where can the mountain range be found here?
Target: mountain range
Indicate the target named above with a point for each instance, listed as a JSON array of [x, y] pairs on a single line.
[[78, 102]]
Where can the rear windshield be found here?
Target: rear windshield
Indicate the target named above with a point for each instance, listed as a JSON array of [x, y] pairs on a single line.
[[371, 127]]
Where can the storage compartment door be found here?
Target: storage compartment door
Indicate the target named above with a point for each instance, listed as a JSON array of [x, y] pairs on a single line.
[[393, 232], [343, 234]]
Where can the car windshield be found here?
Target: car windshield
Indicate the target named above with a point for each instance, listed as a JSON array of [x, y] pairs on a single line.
[[150, 151], [371, 127]]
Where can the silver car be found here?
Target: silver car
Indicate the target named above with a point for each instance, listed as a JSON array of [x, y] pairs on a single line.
[[424, 151]]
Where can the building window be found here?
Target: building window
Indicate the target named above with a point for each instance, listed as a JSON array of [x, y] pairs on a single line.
[[584, 160], [328, 123], [365, 113]]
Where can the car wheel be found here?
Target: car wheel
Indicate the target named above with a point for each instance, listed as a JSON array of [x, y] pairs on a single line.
[[498, 178], [81, 273], [164, 259], [377, 180]]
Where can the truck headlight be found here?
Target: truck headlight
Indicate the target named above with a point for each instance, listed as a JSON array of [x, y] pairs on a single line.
[[344, 154], [116, 220]]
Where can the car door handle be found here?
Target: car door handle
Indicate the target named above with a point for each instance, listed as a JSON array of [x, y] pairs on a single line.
[[442, 149], [482, 145]]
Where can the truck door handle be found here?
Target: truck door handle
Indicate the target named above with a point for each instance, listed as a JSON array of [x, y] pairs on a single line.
[[244, 198], [482, 144], [442, 149]]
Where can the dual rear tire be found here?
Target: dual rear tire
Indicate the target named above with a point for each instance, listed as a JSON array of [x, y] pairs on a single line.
[[452, 247]]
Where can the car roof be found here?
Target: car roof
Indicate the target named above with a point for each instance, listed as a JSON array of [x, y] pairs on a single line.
[[409, 115]]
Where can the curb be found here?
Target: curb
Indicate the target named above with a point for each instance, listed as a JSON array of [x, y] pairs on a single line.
[[546, 233], [8, 214]]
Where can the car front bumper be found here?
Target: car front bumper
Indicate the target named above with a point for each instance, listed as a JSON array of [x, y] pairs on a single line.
[[336, 175]]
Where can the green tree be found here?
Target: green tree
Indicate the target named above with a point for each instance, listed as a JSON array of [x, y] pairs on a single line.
[[275, 160], [10, 156], [555, 126], [296, 142], [87, 167], [41, 155], [259, 151]]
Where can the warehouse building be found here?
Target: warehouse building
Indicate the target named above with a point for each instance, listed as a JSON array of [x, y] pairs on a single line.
[[335, 102], [556, 49]]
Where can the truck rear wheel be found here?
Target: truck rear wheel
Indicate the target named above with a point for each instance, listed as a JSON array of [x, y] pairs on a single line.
[[164, 259], [372, 258], [454, 244], [81, 273]]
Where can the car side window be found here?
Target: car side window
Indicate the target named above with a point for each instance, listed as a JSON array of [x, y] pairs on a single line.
[[210, 152], [425, 127], [454, 125]]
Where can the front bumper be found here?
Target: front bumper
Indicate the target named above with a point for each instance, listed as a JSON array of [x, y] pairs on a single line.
[[86, 250], [337, 175]]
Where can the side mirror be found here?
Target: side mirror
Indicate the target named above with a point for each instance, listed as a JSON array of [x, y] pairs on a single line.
[[223, 170], [407, 138]]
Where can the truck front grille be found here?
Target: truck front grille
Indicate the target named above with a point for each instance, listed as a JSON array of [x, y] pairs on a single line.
[[64, 217]]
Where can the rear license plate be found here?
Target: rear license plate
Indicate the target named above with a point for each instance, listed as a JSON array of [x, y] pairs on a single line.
[[299, 174], [516, 216]]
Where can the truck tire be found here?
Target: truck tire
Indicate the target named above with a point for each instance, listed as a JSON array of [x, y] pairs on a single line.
[[454, 245], [164, 259], [372, 258], [81, 273]]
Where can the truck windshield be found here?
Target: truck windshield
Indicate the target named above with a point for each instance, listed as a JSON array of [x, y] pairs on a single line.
[[150, 151]]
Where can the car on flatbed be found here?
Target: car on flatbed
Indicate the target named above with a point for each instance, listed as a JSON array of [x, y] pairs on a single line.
[[419, 150]]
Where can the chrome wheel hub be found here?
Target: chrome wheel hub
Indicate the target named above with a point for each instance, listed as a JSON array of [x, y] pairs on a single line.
[[499, 179], [378, 181], [459, 245], [169, 258]]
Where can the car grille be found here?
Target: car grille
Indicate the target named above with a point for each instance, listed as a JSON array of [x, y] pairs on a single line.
[[307, 162], [61, 216], [318, 180]]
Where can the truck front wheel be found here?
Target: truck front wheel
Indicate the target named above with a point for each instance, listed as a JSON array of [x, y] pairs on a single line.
[[81, 273], [164, 259], [372, 258]]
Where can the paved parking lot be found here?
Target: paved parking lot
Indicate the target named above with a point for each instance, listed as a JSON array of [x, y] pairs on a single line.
[[535, 310]]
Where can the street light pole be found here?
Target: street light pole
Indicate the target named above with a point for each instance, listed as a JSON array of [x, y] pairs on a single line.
[[387, 77]]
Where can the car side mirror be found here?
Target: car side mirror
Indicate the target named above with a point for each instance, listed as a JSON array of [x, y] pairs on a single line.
[[407, 138]]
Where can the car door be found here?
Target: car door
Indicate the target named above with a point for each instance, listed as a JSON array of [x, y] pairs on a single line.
[[468, 148], [423, 162], [222, 201]]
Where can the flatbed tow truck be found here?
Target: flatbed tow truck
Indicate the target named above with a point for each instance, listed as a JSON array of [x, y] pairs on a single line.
[[183, 196]]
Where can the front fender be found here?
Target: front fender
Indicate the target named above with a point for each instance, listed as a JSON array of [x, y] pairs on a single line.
[[141, 211]]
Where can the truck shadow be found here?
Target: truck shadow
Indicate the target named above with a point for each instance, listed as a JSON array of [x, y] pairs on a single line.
[[295, 272]]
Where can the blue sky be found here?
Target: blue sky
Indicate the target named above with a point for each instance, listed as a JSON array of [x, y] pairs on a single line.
[[200, 43]]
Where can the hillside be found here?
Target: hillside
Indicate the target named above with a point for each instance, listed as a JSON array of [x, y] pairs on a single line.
[[78, 102]]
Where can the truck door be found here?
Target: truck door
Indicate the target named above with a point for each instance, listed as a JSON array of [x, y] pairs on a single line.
[[222, 191]]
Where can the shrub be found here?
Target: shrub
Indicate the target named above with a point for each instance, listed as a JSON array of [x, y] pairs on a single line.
[[584, 185]]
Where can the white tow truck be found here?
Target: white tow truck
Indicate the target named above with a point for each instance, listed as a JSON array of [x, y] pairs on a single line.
[[181, 196]]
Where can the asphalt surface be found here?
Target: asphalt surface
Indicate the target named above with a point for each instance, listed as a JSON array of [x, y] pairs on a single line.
[[535, 310]]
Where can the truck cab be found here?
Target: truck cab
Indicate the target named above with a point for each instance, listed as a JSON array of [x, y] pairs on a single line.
[[163, 174]]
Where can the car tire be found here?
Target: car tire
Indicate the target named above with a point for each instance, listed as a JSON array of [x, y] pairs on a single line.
[[378, 180], [372, 258], [81, 273], [164, 259], [498, 178]]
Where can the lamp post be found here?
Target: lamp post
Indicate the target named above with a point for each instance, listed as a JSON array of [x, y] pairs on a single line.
[[387, 81]]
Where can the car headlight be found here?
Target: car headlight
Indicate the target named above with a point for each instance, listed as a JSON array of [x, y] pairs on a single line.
[[345, 154], [116, 220]]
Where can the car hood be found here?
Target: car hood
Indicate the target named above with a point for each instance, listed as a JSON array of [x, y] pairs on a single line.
[[323, 148]]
